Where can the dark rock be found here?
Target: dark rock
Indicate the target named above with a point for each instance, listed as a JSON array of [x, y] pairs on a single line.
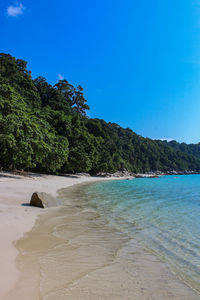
[[39, 200], [83, 174]]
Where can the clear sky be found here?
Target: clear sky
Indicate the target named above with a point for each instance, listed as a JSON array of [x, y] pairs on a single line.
[[138, 61]]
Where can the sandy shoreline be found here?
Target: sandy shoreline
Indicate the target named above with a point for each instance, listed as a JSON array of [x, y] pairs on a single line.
[[17, 217], [103, 263]]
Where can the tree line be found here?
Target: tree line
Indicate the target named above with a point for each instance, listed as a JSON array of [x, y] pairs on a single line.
[[45, 128]]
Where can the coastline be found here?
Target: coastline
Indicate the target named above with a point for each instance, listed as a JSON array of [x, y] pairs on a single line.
[[125, 267], [17, 217]]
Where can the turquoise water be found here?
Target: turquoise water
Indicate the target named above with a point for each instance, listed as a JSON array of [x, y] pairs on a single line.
[[162, 213]]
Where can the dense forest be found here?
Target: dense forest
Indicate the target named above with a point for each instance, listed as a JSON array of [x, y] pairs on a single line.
[[45, 128], [193, 149]]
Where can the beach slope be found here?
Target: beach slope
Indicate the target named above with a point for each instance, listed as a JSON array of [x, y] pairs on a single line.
[[17, 217]]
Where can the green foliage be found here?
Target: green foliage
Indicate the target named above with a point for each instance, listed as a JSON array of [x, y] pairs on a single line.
[[73, 96], [26, 139], [13, 72], [83, 152], [45, 128]]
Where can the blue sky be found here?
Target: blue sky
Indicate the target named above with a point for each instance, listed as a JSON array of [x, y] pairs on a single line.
[[138, 61]]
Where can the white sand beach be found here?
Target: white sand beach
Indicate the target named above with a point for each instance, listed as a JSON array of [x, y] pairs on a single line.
[[17, 217]]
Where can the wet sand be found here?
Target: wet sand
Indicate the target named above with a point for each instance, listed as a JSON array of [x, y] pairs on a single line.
[[17, 217], [74, 253]]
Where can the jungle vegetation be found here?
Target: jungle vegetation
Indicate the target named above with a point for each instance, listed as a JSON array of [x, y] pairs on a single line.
[[45, 128]]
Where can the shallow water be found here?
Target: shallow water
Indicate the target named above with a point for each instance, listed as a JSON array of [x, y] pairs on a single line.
[[162, 213], [85, 249]]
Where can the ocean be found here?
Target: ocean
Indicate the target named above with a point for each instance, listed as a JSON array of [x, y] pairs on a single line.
[[163, 214], [119, 239]]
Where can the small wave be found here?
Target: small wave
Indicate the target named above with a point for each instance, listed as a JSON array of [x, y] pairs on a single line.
[[163, 215]]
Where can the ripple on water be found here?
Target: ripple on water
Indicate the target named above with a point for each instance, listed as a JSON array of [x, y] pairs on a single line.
[[85, 250], [163, 214]]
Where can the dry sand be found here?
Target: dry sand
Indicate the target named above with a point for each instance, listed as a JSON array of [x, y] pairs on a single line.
[[72, 252], [16, 217]]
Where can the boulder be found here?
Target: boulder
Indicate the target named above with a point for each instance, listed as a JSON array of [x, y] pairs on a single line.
[[39, 200]]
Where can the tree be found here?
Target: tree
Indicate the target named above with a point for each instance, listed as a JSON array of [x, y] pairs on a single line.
[[14, 72], [45, 127], [73, 96], [27, 141]]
